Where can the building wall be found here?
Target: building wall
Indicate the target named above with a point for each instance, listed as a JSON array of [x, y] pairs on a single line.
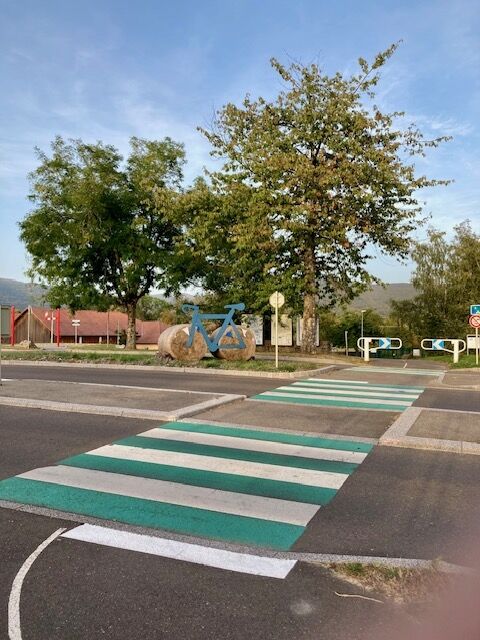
[[38, 332]]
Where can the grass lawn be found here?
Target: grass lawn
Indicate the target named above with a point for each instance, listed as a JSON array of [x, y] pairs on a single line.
[[465, 361], [109, 356]]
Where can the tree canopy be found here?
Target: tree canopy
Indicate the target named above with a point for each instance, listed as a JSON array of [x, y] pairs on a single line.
[[447, 283], [102, 232], [311, 181]]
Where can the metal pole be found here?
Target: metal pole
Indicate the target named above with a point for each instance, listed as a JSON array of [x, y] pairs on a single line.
[[276, 331], [51, 326], [361, 333], [75, 334], [29, 315], [1, 345], [346, 343], [58, 326], [476, 346], [108, 330]]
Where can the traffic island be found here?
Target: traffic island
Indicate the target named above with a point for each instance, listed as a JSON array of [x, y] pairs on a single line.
[[438, 429], [113, 400]]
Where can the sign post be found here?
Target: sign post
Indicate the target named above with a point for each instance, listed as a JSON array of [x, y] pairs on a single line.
[[277, 300], [390, 344], [474, 321], [4, 327], [76, 324]]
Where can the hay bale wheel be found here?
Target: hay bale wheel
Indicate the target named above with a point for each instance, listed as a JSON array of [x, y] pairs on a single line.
[[173, 343], [235, 354]]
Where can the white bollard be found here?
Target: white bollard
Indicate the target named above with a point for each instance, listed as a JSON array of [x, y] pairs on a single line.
[[366, 349]]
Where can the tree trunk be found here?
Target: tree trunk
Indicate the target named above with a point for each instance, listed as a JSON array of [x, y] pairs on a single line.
[[309, 331], [131, 326]]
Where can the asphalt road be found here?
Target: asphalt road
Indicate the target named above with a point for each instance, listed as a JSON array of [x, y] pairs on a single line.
[[78, 590], [31, 438], [399, 502], [157, 379]]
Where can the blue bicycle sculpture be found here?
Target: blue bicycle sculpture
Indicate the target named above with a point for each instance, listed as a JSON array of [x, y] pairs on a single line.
[[228, 327]]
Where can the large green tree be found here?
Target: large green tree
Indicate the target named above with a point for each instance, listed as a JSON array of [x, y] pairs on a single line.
[[323, 176], [103, 232], [445, 278]]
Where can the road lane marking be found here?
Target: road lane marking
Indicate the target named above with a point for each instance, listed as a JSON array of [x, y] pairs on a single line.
[[14, 622], [186, 552]]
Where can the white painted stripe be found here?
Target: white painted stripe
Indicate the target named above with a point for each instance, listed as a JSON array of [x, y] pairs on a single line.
[[250, 444], [186, 552], [367, 389], [14, 626], [324, 396], [339, 381], [238, 504], [358, 392], [327, 479]]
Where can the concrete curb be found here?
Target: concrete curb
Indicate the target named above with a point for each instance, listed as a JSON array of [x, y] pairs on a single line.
[[305, 373], [120, 412], [396, 436], [302, 556]]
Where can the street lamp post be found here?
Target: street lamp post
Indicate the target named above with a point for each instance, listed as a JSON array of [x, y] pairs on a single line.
[[361, 332]]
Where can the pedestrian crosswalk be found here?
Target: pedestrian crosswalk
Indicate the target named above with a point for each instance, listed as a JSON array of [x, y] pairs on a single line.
[[406, 371], [235, 484], [353, 394]]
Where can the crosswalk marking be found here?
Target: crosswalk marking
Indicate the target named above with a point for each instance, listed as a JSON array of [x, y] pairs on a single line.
[[347, 385], [238, 485], [256, 445], [174, 493], [184, 551], [235, 467], [332, 390], [344, 394], [404, 371]]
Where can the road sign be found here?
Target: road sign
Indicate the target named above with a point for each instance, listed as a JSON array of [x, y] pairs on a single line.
[[385, 343], [474, 309], [474, 321], [76, 323], [438, 345], [277, 299]]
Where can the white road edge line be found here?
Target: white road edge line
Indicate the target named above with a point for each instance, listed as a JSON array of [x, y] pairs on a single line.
[[14, 627], [184, 551]]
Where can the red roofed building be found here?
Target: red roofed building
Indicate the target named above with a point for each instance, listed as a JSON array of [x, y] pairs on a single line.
[[94, 327]]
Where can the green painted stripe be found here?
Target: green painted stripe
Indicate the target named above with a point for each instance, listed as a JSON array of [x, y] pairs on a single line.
[[148, 513], [271, 436], [344, 393], [210, 479], [364, 387], [238, 454], [330, 403]]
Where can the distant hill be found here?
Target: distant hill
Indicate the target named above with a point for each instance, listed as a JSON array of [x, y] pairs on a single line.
[[20, 294], [378, 298]]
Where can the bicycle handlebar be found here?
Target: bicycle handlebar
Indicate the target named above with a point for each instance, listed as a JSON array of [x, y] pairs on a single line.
[[190, 307]]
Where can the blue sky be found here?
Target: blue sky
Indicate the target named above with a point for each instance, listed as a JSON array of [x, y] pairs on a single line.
[[109, 69]]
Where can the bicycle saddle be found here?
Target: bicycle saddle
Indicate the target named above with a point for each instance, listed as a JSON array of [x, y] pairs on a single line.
[[239, 306]]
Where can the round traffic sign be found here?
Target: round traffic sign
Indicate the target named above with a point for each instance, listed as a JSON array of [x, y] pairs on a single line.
[[474, 321], [277, 299]]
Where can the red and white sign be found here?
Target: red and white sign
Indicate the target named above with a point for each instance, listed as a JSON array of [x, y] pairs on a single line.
[[474, 321]]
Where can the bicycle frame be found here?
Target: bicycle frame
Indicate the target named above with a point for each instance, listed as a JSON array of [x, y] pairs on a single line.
[[214, 344]]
